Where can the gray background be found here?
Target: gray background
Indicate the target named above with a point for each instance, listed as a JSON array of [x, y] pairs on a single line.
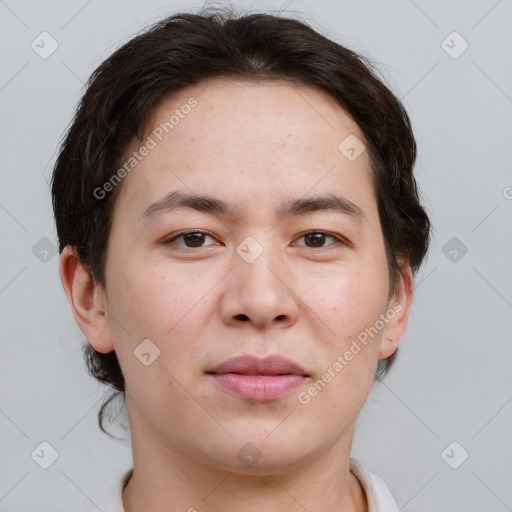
[[453, 379]]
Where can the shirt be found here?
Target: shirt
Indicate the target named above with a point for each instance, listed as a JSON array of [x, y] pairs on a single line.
[[377, 493]]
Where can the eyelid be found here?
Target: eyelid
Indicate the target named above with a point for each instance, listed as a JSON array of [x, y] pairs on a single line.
[[342, 240], [179, 234]]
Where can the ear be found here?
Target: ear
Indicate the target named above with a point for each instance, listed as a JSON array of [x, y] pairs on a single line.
[[87, 301], [397, 312]]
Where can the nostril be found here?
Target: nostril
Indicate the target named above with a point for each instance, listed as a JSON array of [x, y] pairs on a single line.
[[242, 317]]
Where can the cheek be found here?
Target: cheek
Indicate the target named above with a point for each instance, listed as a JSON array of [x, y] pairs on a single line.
[[348, 307], [150, 300], [352, 301], [158, 305], [141, 299]]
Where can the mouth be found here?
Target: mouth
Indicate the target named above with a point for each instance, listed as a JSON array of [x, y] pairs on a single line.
[[256, 379]]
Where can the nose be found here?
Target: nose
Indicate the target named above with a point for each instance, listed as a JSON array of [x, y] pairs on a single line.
[[260, 293]]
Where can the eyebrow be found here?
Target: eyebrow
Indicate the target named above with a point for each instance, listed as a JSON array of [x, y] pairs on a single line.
[[218, 207]]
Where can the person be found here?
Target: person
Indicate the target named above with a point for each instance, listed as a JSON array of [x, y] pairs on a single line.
[[239, 229]]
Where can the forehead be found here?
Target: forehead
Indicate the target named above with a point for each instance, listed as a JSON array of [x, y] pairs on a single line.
[[276, 104], [243, 139]]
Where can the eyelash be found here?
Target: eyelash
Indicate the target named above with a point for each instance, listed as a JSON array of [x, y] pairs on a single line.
[[326, 233]]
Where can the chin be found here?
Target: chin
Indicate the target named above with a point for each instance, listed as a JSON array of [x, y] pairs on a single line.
[[257, 454]]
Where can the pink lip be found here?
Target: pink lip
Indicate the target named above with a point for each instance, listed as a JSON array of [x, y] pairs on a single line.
[[256, 379]]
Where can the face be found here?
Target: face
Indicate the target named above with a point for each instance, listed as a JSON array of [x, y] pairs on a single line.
[[261, 273]]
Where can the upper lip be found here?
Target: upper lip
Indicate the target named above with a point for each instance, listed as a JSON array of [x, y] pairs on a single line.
[[253, 365]]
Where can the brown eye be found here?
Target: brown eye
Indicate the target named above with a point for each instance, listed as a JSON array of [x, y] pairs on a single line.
[[316, 239], [192, 239]]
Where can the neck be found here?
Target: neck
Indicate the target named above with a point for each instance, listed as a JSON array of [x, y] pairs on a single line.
[[228, 492], [165, 478]]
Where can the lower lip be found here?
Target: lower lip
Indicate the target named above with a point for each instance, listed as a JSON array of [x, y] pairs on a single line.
[[259, 388]]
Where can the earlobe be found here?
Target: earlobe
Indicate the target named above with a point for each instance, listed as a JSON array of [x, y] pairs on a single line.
[[87, 301], [387, 347], [397, 312]]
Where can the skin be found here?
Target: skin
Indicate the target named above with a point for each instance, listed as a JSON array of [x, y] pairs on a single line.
[[253, 145]]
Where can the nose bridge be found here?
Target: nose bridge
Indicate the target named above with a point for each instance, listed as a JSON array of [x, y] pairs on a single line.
[[259, 265], [259, 291]]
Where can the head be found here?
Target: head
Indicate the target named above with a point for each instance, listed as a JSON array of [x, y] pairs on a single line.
[[253, 114]]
